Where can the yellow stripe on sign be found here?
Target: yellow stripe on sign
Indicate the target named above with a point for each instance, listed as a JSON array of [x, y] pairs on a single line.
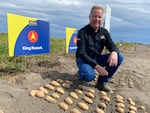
[[69, 33], [16, 23]]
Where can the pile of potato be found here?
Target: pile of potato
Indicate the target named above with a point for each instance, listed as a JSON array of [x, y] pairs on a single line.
[[83, 98]]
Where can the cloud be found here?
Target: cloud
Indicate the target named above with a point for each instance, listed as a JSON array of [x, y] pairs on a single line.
[[120, 22], [140, 10], [8, 5], [127, 16], [67, 2]]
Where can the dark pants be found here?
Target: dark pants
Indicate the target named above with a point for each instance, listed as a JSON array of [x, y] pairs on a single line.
[[87, 73]]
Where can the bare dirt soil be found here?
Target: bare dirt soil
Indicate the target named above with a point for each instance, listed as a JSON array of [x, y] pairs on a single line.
[[132, 80]]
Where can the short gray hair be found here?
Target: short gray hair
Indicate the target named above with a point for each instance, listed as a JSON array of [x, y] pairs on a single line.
[[96, 7]]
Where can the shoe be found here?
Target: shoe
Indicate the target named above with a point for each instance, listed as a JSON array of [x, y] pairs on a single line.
[[103, 87]]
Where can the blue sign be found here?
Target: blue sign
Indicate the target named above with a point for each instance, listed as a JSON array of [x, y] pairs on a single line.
[[33, 40]]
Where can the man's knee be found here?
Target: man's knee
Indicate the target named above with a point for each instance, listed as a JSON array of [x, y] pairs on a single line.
[[87, 77], [120, 58]]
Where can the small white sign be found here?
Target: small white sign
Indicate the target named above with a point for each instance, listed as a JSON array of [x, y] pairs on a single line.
[[107, 18]]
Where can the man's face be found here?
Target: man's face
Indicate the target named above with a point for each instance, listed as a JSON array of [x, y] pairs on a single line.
[[96, 18]]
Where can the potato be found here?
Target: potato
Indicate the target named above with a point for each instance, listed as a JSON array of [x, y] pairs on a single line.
[[60, 90], [91, 95], [120, 110], [54, 83], [132, 103], [65, 85], [99, 110], [74, 95], [131, 111], [87, 99], [69, 101], [129, 99], [50, 99], [83, 106], [103, 93], [74, 110], [40, 94], [50, 87], [106, 98], [63, 106], [78, 91], [1, 111], [133, 108], [55, 95], [141, 107], [102, 105], [32, 92], [91, 90], [119, 100], [59, 80], [81, 87], [120, 105], [69, 82], [44, 90], [119, 97]]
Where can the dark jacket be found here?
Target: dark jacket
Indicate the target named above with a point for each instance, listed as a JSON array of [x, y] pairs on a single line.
[[90, 44]]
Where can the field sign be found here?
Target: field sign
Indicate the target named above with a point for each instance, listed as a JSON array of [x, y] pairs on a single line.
[[27, 36], [71, 40]]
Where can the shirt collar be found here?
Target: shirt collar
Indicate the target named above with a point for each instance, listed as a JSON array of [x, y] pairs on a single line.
[[93, 30]]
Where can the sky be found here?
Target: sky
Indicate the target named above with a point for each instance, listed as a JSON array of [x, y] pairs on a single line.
[[129, 20]]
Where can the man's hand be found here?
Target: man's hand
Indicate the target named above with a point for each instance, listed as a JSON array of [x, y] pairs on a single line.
[[101, 70], [113, 59]]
